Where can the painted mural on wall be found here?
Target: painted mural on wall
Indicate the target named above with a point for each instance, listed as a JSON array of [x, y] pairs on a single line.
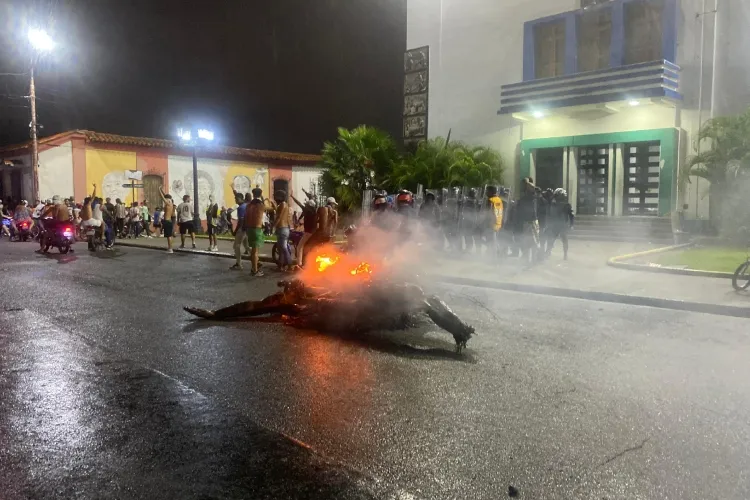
[[215, 177], [107, 169]]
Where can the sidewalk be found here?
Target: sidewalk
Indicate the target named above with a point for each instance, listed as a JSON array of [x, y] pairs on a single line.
[[226, 248], [585, 274], [586, 270]]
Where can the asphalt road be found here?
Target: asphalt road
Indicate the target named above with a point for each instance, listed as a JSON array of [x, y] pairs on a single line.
[[108, 390]]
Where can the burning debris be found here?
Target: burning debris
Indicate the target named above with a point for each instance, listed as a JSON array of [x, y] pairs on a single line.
[[343, 293]]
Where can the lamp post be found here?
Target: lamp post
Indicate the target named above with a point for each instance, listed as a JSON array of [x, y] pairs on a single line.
[[194, 138], [41, 42]]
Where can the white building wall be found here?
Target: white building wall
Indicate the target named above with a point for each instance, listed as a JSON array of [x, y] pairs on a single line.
[[305, 178], [56, 172], [476, 46]]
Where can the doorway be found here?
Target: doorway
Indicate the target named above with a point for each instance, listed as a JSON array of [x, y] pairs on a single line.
[[281, 185], [151, 185], [549, 168], [593, 180], [642, 162]]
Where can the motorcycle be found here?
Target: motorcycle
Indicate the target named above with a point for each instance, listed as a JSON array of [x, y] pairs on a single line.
[[94, 238], [294, 238], [6, 227], [22, 231], [62, 236]]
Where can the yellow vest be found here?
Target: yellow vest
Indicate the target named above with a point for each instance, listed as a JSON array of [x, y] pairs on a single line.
[[497, 208]]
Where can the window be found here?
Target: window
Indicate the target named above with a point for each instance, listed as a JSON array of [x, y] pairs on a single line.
[[594, 40], [643, 31], [549, 49]]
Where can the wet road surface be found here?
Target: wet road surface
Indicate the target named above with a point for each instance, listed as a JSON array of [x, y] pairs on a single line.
[[108, 390]]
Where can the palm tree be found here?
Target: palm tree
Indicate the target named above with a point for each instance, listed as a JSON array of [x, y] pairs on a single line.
[[439, 163], [357, 160], [724, 161]]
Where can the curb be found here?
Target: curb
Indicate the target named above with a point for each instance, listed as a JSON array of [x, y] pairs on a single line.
[[633, 300], [261, 258], [656, 268]]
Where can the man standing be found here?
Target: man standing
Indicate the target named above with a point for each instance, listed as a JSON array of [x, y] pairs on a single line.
[[212, 220], [185, 216], [239, 231], [526, 212], [254, 228], [496, 210], [120, 214], [109, 206], [146, 218], [167, 222], [309, 224], [281, 225]]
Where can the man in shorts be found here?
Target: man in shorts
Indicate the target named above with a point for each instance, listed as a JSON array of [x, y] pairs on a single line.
[[167, 220], [212, 220], [254, 228], [185, 220]]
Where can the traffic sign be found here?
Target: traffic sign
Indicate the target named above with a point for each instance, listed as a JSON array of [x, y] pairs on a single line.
[[134, 186]]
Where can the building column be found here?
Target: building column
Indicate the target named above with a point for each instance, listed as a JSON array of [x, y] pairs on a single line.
[[6, 183], [611, 167], [573, 177], [566, 157], [532, 165], [619, 193]]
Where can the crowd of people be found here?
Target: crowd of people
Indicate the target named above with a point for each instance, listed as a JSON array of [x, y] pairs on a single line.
[[463, 222], [527, 226]]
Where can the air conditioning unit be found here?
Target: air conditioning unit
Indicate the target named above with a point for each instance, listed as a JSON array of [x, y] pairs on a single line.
[[588, 4]]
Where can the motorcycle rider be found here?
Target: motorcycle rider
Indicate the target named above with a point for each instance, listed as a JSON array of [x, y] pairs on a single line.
[[561, 220], [5, 216], [405, 209], [543, 199], [21, 214], [468, 210]]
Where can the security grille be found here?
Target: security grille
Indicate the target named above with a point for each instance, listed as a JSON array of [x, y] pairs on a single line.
[[642, 160], [593, 174]]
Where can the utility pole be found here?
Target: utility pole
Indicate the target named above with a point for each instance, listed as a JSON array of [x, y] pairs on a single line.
[[34, 141], [196, 208]]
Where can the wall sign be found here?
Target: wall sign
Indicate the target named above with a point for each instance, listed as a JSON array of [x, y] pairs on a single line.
[[416, 94]]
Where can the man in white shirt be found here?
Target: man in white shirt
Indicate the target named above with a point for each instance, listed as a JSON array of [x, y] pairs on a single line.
[[185, 220]]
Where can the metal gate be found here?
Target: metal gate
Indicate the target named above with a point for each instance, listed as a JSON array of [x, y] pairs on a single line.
[[593, 174], [642, 160]]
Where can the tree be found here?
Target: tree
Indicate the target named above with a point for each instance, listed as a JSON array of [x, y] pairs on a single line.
[[439, 163], [357, 160], [724, 164]]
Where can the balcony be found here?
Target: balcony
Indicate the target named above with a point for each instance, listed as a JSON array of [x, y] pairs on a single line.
[[603, 90]]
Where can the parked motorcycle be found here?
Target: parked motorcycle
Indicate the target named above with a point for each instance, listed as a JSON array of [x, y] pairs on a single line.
[[61, 235]]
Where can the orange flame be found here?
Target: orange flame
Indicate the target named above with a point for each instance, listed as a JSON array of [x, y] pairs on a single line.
[[324, 262], [362, 268]]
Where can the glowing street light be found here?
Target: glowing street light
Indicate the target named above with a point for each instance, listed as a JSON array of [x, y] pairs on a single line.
[[41, 42], [202, 135]]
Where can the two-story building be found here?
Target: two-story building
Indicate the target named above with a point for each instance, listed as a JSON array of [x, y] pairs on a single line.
[[601, 97]]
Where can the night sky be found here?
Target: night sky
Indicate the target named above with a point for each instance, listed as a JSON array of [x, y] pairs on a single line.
[[270, 74]]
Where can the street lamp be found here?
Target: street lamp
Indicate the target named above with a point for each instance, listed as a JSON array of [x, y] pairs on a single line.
[[41, 43], [194, 138]]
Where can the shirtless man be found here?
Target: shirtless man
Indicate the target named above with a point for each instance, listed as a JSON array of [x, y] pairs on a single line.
[[168, 221], [254, 228]]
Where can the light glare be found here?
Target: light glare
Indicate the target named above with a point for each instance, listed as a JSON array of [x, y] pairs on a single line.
[[634, 103], [40, 40], [538, 114], [205, 134]]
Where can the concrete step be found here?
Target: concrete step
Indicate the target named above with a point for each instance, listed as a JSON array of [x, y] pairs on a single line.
[[580, 236]]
